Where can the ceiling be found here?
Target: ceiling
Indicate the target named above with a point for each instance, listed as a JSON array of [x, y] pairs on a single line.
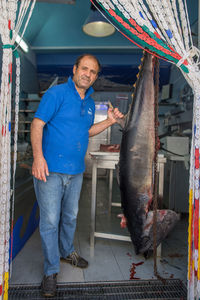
[[55, 34]]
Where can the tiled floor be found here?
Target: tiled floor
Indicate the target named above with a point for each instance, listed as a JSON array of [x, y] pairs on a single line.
[[111, 259]]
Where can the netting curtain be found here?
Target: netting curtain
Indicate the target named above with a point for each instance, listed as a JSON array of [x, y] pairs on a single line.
[[162, 28], [14, 15]]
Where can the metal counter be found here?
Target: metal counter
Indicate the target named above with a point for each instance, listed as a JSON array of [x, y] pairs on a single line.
[[108, 160]]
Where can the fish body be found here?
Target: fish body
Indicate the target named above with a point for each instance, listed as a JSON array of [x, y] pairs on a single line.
[[137, 152]]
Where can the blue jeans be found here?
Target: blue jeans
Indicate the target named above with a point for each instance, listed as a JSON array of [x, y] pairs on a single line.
[[58, 200]]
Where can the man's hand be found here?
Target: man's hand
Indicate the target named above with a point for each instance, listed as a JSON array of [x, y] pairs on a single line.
[[114, 115], [40, 169]]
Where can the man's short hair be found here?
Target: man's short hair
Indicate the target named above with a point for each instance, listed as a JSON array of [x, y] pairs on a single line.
[[78, 60]]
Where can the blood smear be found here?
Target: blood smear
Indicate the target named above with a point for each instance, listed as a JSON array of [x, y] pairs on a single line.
[[132, 270]]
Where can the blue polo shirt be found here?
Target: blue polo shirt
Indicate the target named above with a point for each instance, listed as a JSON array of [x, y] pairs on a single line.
[[68, 119]]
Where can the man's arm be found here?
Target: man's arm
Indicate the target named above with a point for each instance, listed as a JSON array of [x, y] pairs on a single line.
[[39, 167], [113, 116]]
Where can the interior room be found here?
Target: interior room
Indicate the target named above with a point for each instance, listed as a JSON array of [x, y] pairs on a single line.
[[55, 37]]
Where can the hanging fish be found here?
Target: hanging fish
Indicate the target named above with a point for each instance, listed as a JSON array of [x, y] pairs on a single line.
[[137, 152]]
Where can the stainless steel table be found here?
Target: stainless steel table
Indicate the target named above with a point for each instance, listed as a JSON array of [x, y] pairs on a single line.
[[108, 160]]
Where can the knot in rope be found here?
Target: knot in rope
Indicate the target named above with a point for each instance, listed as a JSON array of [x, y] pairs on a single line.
[[191, 54], [9, 46]]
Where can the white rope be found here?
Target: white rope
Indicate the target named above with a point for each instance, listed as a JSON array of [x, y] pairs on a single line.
[[174, 7], [29, 15], [184, 23], [190, 41], [7, 24], [181, 61], [17, 92], [161, 17], [146, 13], [172, 24], [171, 17]]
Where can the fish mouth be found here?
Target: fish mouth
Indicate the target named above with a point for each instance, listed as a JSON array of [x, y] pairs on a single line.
[[146, 245], [166, 220]]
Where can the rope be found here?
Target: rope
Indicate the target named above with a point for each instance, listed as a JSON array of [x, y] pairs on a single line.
[[134, 19], [155, 193], [9, 46], [142, 35], [12, 16]]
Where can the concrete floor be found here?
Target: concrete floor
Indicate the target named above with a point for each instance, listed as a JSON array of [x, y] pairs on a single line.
[[111, 259]]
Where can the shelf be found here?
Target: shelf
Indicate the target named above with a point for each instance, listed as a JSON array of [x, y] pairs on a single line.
[[23, 122], [167, 104], [29, 100], [25, 111]]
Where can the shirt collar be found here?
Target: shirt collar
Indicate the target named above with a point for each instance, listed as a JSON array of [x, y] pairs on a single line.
[[72, 85]]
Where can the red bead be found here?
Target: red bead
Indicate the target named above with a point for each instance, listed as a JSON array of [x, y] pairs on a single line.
[[196, 158], [196, 163], [196, 224], [157, 35]]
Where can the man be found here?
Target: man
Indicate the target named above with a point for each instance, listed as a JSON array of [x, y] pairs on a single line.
[[59, 135]]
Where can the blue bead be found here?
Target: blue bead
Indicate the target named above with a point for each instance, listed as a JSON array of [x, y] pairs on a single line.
[[141, 15], [154, 24], [169, 33]]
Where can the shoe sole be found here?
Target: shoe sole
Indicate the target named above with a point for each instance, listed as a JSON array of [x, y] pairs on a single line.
[[48, 294], [68, 262]]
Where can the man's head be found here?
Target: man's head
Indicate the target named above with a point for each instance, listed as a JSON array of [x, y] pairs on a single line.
[[85, 71]]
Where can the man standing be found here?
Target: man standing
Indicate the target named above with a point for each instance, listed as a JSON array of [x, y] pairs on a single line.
[[59, 135]]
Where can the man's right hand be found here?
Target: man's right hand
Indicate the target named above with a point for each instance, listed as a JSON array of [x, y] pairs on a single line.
[[40, 169]]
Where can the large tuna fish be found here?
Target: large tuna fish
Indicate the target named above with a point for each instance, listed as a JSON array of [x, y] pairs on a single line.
[[136, 165]]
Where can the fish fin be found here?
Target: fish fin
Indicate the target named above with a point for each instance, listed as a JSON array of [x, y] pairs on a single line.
[[122, 122], [123, 223], [166, 220]]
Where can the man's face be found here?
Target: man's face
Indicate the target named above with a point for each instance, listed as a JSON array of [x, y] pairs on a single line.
[[86, 73]]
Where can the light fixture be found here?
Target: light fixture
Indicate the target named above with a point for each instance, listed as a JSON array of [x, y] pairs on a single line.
[[96, 25], [21, 43]]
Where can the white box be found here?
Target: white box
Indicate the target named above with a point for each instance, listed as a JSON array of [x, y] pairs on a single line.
[[177, 145]]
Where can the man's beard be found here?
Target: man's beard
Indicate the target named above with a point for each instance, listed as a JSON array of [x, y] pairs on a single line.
[[84, 83]]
